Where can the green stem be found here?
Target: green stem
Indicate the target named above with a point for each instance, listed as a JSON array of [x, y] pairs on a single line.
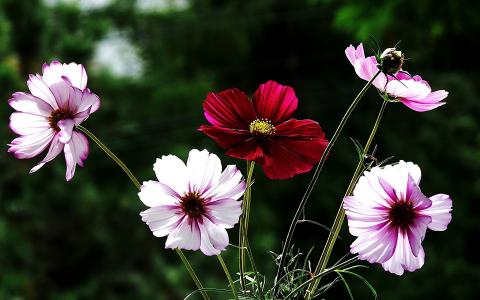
[[242, 234], [337, 224], [137, 185], [313, 181], [229, 277]]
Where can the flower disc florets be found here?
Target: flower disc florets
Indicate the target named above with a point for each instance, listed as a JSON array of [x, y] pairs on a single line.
[[391, 61], [58, 115], [192, 205], [262, 127], [402, 214]]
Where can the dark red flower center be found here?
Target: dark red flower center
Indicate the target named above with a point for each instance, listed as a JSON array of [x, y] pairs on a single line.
[[58, 115], [262, 127], [193, 205], [402, 214]]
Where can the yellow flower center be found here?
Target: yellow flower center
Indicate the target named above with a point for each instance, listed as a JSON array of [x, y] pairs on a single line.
[[262, 127]]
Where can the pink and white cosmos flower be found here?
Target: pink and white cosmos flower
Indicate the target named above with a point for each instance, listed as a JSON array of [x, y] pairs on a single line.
[[389, 215], [193, 204], [412, 91], [46, 117]]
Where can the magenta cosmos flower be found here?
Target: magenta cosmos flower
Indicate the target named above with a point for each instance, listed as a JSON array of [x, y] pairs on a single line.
[[412, 91], [263, 130], [389, 215], [193, 204], [58, 101]]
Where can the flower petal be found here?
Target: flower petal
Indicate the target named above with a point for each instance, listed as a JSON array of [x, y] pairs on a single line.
[[172, 172], [274, 102], [229, 108], [56, 72], [204, 170], [225, 212], [40, 89], [185, 236], [55, 148], [228, 186], [66, 130], [76, 151], [28, 146], [27, 103], [153, 193], [214, 238], [25, 123], [440, 212], [403, 258], [162, 219]]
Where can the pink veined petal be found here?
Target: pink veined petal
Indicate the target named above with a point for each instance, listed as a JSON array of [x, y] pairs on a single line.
[[78, 118], [403, 258], [376, 246], [204, 170], [354, 54], [172, 172], [153, 193], [228, 185], [76, 151], [440, 212], [408, 89], [66, 130], [421, 107], [226, 212], [90, 101], [55, 148], [25, 123], [27, 103], [415, 195], [185, 236], [416, 233], [214, 238], [74, 73], [28, 146], [162, 219], [274, 102], [39, 89]]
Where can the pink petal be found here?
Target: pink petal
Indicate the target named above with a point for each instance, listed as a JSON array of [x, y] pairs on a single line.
[[185, 236], [39, 89], [66, 130], [55, 148], [27, 103], [403, 258], [162, 219], [28, 146], [214, 238], [226, 212], [440, 212], [416, 233], [74, 73], [76, 151], [274, 102]]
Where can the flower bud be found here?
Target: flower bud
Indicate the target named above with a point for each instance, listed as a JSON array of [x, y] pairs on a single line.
[[391, 61]]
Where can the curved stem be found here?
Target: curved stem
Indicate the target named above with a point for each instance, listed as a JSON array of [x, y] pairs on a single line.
[[229, 277], [337, 223], [135, 181], [313, 181], [111, 155], [242, 233]]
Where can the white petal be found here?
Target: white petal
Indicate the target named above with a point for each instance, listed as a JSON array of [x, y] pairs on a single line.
[[185, 236], [57, 72], [25, 123], [403, 258], [214, 239], [30, 104], [55, 148], [153, 193], [204, 170], [66, 130], [172, 172], [440, 212], [161, 219], [76, 151], [225, 212], [40, 89], [28, 146], [228, 186]]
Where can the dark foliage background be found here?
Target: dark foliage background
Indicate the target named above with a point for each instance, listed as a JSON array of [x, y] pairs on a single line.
[[84, 239]]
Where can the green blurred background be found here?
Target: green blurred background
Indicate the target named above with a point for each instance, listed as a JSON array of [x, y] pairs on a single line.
[[152, 64]]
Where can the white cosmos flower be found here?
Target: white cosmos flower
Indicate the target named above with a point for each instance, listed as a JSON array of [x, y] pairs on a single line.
[[193, 204]]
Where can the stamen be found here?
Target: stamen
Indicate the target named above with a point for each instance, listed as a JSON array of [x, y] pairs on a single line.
[[402, 214], [192, 205], [262, 127]]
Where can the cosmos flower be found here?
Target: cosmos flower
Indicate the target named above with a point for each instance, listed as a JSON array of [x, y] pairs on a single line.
[[46, 117], [389, 215], [412, 91], [193, 204], [263, 130]]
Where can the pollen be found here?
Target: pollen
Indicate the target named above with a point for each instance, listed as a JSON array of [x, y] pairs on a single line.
[[402, 214], [58, 115], [262, 127]]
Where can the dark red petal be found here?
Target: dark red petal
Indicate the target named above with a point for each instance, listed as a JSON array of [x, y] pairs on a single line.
[[296, 147], [240, 143], [229, 108], [274, 102]]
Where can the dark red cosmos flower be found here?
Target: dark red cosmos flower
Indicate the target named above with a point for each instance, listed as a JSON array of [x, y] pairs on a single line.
[[263, 130]]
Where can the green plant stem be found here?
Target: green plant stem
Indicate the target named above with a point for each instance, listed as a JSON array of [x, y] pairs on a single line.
[[229, 277], [313, 181], [243, 231], [137, 185], [337, 224]]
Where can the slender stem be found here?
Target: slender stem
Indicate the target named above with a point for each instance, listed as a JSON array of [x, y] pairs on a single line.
[[229, 277], [337, 224], [137, 185], [242, 233], [111, 155], [313, 181]]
